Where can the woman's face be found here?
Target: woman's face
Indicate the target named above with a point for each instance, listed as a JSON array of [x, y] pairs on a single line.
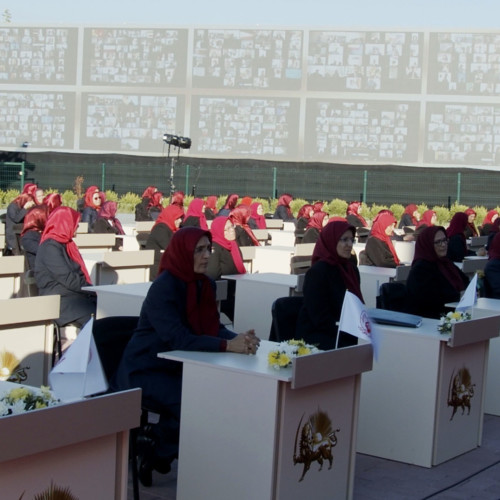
[[260, 210], [177, 222], [311, 212], [433, 219], [440, 244], [201, 255], [96, 198], [229, 232], [325, 220], [344, 245], [416, 214], [39, 196], [471, 218], [390, 228], [494, 218]]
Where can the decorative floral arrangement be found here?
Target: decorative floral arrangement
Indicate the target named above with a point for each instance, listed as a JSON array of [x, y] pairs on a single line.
[[22, 399], [447, 321], [10, 369], [286, 351]]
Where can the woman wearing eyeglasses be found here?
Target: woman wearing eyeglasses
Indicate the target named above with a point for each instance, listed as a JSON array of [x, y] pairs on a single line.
[[331, 274], [179, 312], [434, 279], [92, 203]]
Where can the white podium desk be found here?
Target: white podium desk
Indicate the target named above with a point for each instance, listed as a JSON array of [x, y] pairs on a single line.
[[489, 307], [81, 445], [423, 402], [250, 432], [268, 258], [255, 294]]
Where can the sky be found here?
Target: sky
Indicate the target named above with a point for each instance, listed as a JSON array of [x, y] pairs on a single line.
[[469, 14]]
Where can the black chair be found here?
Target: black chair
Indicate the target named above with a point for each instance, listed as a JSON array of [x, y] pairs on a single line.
[[111, 336], [285, 312], [393, 296]]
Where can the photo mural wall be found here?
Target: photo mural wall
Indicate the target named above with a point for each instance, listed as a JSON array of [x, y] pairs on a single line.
[[335, 95]]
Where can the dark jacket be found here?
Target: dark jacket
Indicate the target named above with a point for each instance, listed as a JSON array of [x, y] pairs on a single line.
[[57, 274], [457, 248], [101, 225], [13, 217], [141, 210], [158, 240], [311, 235], [242, 237], [281, 212], [378, 253], [492, 279], [324, 291], [30, 243], [429, 290], [406, 220], [89, 215], [191, 221]]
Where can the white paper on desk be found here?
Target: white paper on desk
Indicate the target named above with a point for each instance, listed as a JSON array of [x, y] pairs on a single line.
[[469, 298], [79, 372]]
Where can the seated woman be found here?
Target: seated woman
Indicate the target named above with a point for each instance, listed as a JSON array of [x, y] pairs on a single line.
[[492, 270], [230, 204], [92, 203], [457, 243], [159, 238], [429, 218], [257, 219], [195, 215], [60, 270], [225, 259], [141, 209], [177, 198], [353, 214], [211, 207], [318, 206], [325, 284], [283, 210], [488, 221], [410, 216], [470, 228], [108, 223], [52, 201], [303, 217], [379, 250], [244, 235], [314, 227], [34, 224], [14, 217], [434, 280], [179, 312], [155, 205]]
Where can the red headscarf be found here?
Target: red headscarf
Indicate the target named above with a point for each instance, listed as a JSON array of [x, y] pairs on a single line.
[[318, 206], [169, 215], [149, 191], [336, 218], [61, 226], [89, 195], [326, 250], [284, 201], [457, 225], [424, 250], [317, 220], [381, 212], [231, 201], [494, 247], [260, 220], [305, 211], [30, 189], [178, 259], [382, 222], [246, 200], [195, 209], [178, 199], [471, 225], [108, 212], [217, 230], [353, 209], [489, 216], [35, 219], [239, 217], [22, 199], [410, 210], [155, 200], [211, 203], [426, 219], [52, 201]]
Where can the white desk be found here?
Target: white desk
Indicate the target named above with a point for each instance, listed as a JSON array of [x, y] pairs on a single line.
[[81, 445], [405, 250], [11, 269], [266, 259], [282, 238], [241, 418], [255, 294], [371, 279], [407, 400]]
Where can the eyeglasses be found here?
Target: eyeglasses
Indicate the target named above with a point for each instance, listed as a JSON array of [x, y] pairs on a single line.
[[201, 250], [443, 241], [347, 241]]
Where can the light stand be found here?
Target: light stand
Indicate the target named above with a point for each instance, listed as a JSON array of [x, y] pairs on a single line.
[[179, 143]]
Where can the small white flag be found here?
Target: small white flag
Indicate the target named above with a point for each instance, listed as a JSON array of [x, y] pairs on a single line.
[[469, 298], [354, 320]]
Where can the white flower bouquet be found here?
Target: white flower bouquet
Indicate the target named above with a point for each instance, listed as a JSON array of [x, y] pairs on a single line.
[[22, 399], [286, 351], [447, 321]]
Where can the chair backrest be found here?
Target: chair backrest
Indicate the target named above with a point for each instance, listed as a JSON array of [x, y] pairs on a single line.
[[285, 312], [299, 264], [111, 336], [393, 297]]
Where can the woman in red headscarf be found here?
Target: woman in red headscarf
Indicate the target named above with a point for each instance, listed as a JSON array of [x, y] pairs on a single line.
[[353, 214], [195, 214], [492, 269], [52, 201], [410, 216], [14, 217], [379, 250], [225, 259], [244, 235], [158, 240], [141, 209], [257, 219], [318, 206], [457, 242], [330, 276], [231, 201], [93, 200], [211, 207], [179, 313], [314, 227], [178, 199], [471, 229], [303, 217], [34, 224], [434, 280], [488, 222], [155, 205], [108, 223], [60, 270], [283, 210], [429, 218]]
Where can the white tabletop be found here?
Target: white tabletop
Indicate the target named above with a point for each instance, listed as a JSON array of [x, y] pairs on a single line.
[[136, 289], [272, 278]]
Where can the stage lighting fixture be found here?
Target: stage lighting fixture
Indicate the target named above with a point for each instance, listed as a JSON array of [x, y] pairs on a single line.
[[176, 141]]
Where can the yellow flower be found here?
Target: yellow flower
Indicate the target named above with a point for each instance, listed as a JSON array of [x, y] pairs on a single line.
[[303, 350], [40, 404], [456, 315], [18, 393]]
